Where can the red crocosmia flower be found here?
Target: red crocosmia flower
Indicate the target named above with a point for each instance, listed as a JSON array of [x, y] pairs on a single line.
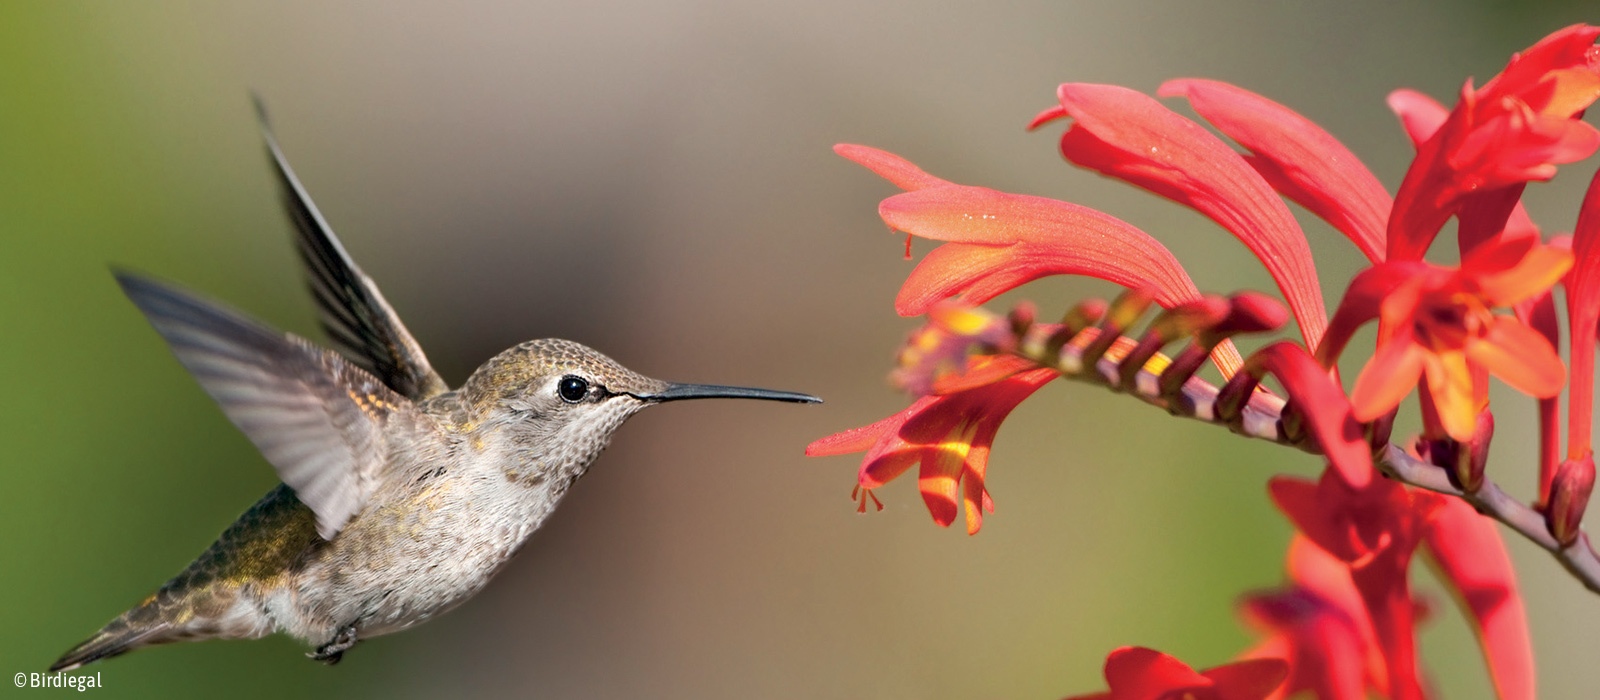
[[949, 436], [1130, 136], [1421, 116], [1437, 323], [1515, 129], [1374, 530], [1138, 673], [1320, 626]]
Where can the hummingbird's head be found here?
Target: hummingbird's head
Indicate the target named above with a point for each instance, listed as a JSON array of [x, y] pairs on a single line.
[[564, 400]]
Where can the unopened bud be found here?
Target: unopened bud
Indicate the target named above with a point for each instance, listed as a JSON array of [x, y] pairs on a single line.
[[1250, 312], [1569, 496], [1380, 431], [1474, 456], [1234, 395], [1021, 317]]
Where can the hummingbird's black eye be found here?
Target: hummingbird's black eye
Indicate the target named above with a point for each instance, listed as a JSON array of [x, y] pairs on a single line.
[[572, 389]]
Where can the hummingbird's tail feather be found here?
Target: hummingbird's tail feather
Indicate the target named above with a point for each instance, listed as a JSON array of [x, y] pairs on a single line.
[[140, 627]]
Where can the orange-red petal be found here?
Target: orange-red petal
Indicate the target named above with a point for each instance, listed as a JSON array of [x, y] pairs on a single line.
[[1300, 159], [903, 173], [1450, 387], [1130, 136], [1472, 560], [1389, 376], [1583, 315], [1521, 357], [1061, 238]]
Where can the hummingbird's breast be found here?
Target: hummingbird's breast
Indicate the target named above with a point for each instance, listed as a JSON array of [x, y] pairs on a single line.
[[433, 536]]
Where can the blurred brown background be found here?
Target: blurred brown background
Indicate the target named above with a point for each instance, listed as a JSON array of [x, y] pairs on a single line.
[[655, 180]]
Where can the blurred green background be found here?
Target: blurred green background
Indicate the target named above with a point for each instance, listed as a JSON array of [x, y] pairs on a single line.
[[654, 179]]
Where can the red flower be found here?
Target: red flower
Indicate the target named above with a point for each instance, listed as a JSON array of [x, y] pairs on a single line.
[[1138, 673], [1375, 531], [1437, 323], [949, 436], [1319, 625], [1517, 128]]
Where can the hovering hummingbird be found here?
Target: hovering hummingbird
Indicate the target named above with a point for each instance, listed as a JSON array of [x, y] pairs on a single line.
[[401, 497]]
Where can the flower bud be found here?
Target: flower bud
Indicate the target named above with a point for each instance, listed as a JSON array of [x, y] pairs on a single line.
[[1569, 495], [1474, 455]]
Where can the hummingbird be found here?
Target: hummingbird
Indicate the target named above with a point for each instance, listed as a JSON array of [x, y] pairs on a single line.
[[400, 497]]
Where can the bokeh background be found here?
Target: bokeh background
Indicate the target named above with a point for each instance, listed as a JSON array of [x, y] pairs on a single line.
[[654, 179]]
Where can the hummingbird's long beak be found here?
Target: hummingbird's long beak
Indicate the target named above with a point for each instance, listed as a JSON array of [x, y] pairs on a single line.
[[679, 392]]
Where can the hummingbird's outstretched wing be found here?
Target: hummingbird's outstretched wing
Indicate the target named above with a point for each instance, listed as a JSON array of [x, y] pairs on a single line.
[[353, 311], [317, 418]]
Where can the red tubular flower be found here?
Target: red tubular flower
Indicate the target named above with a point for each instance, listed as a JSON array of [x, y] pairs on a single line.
[[949, 436], [1130, 136], [1138, 673], [1374, 531], [1421, 116], [1320, 626], [1515, 129], [1436, 323], [1298, 158]]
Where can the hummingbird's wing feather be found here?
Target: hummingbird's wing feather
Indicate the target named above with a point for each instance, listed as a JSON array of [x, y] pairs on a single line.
[[352, 310], [317, 418]]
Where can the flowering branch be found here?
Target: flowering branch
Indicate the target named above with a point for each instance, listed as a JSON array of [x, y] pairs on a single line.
[[1579, 558], [1081, 353], [1345, 621]]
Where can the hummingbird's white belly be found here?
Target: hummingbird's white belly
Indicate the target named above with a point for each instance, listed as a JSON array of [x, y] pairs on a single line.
[[417, 555]]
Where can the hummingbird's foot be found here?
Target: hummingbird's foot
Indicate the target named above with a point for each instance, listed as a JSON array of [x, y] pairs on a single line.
[[331, 652]]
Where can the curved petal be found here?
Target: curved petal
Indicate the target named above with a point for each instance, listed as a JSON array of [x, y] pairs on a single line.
[[980, 273], [903, 173], [1251, 679], [940, 478], [1098, 244], [1389, 376], [1583, 315], [1130, 136], [1472, 560], [1420, 115], [1450, 388], [1525, 269], [1521, 357], [858, 439], [1138, 672], [1325, 407], [1300, 159]]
